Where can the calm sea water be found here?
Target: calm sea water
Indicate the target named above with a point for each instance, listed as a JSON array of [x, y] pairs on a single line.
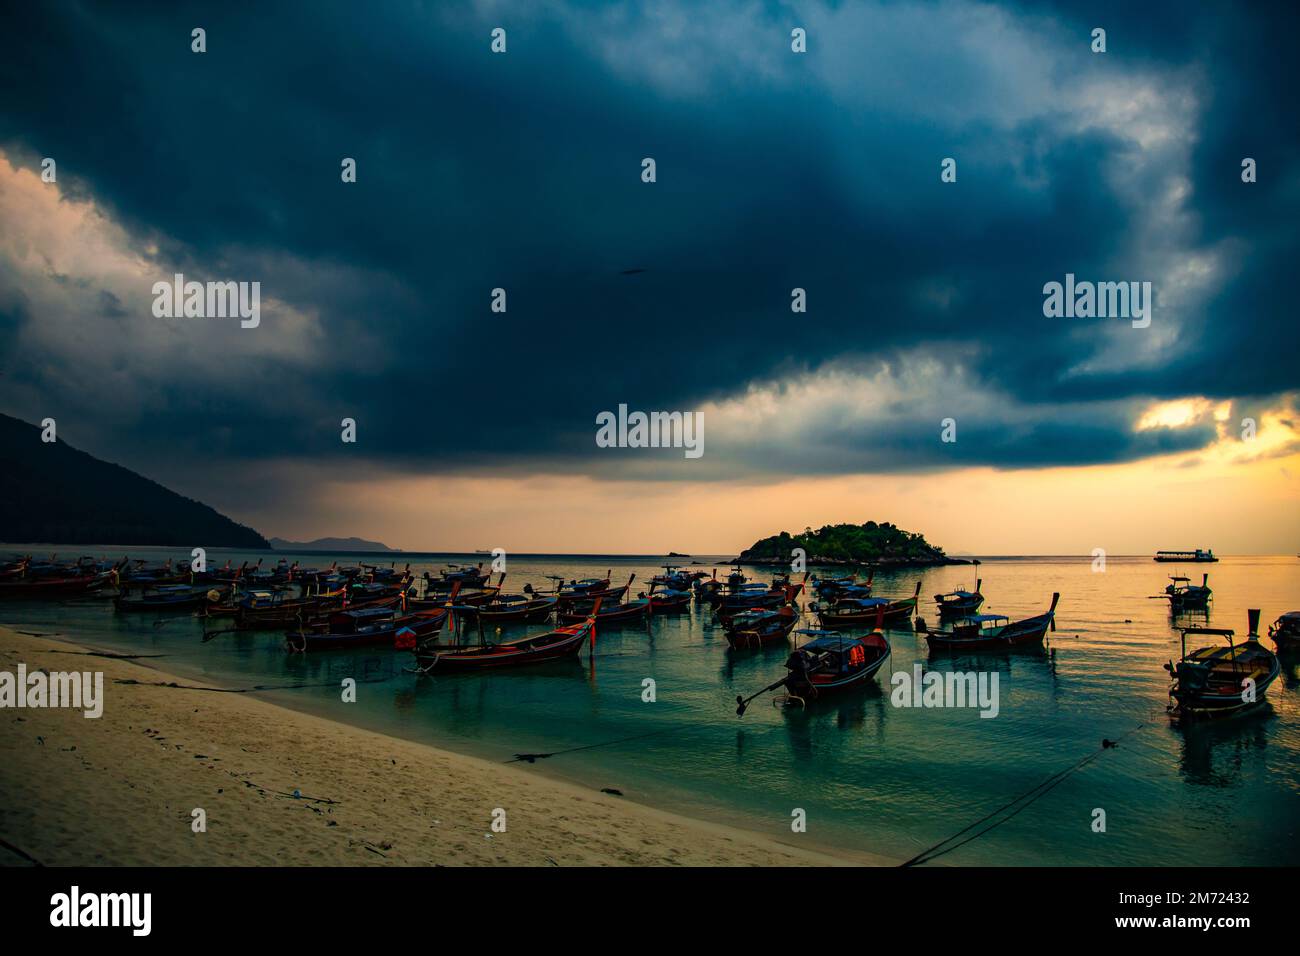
[[871, 777]]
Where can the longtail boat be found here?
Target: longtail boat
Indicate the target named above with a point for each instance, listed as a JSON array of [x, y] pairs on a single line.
[[1185, 596], [990, 632], [831, 589], [761, 627], [579, 592], [1285, 631], [271, 610], [366, 627], [378, 575], [736, 578], [168, 597], [1216, 680], [563, 642], [669, 601], [960, 603], [465, 597], [511, 609], [675, 579], [608, 614], [749, 597], [53, 585], [707, 588], [467, 577], [866, 611], [832, 661]]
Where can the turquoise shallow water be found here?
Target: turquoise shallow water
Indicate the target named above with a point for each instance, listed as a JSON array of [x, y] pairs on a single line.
[[871, 777]]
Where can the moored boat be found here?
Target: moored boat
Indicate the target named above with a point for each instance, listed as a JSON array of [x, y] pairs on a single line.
[[585, 592], [1216, 680], [960, 603], [1285, 631], [990, 632], [627, 612], [366, 627], [57, 585], [465, 597], [511, 609], [168, 597], [675, 579], [563, 642], [761, 627], [866, 611], [1185, 596], [749, 597], [832, 589], [831, 662], [467, 577], [669, 601], [263, 609]]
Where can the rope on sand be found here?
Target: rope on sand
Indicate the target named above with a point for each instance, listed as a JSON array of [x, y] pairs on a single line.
[[19, 851], [238, 690], [116, 657]]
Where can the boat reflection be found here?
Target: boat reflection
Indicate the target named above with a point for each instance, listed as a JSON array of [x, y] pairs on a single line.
[[865, 707], [1214, 753]]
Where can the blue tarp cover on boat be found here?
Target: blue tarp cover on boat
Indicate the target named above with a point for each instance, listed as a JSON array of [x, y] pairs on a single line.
[[831, 643], [365, 612]]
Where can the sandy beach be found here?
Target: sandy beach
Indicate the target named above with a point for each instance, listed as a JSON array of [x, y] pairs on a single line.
[[121, 789]]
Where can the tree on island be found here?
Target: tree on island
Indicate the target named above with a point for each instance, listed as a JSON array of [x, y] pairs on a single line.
[[869, 543]]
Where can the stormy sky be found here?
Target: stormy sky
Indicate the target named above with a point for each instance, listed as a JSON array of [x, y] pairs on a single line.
[[522, 170]]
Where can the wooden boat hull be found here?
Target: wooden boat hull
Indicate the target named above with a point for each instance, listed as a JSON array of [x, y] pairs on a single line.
[[608, 595], [1222, 693], [53, 587], [820, 685], [670, 605], [558, 645], [892, 613], [952, 609], [617, 614], [287, 614], [768, 600], [423, 624], [535, 612], [1285, 631], [1016, 634], [475, 598], [772, 631], [163, 603]]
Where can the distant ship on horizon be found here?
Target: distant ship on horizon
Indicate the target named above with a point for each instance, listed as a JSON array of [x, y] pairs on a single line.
[[1197, 557]]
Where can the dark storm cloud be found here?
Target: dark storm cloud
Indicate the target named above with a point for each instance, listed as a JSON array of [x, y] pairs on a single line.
[[522, 171]]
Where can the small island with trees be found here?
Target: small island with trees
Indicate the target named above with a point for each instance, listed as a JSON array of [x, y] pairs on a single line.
[[883, 545]]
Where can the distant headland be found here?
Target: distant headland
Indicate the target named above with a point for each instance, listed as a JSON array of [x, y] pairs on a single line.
[[53, 493], [883, 545], [331, 544]]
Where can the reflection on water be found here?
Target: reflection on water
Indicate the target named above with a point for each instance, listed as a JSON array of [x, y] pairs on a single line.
[[1214, 753], [870, 776]]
